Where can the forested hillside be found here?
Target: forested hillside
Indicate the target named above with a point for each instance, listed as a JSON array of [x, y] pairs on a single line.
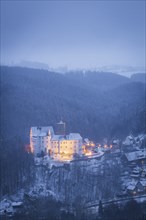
[[139, 77], [97, 105]]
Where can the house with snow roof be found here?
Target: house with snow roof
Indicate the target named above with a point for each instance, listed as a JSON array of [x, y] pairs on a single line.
[[135, 187], [136, 156]]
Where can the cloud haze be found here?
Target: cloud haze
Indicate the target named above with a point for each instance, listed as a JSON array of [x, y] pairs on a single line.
[[81, 34]]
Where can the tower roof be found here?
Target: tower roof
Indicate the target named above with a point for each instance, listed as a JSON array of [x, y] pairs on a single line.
[[61, 122]]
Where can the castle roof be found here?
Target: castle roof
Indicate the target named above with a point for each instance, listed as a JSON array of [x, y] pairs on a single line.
[[71, 136], [42, 131], [74, 136], [57, 137]]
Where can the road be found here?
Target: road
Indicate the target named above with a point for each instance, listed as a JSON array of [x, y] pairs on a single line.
[[116, 200]]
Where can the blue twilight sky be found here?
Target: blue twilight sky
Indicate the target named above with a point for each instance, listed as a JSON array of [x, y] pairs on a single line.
[[78, 34]]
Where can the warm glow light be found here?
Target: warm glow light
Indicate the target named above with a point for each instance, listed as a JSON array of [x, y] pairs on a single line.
[[64, 157], [88, 153], [83, 147], [31, 149]]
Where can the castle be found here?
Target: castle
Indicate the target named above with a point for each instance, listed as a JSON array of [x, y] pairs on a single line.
[[43, 141]]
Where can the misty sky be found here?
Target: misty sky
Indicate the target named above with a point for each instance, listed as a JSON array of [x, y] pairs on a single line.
[[74, 33]]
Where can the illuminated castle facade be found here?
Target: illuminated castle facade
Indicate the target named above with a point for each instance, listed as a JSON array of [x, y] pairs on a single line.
[[43, 141]]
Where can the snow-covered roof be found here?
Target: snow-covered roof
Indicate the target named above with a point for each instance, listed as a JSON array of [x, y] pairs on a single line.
[[143, 183], [115, 141], [4, 204], [58, 137], [86, 140], [71, 136], [136, 155], [137, 169], [142, 136], [16, 204], [61, 123], [74, 136], [130, 137], [42, 131], [132, 185]]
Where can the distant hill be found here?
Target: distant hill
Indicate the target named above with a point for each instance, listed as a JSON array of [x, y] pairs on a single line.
[[139, 77], [97, 105], [98, 80]]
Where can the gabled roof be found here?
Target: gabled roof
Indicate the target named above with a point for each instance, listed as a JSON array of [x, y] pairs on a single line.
[[74, 136], [42, 131], [132, 185], [143, 183], [71, 136], [58, 137], [136, 155]]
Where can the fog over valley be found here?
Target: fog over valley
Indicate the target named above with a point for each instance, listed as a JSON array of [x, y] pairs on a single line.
[[72, 110]]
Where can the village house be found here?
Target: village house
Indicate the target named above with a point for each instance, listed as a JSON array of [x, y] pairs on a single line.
[[137, 157], [136, 187]]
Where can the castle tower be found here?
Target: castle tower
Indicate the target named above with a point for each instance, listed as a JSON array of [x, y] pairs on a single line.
[[60, 128]]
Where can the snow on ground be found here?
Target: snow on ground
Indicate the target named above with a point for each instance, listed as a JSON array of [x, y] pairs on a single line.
[[9, 203], [40, 190]]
